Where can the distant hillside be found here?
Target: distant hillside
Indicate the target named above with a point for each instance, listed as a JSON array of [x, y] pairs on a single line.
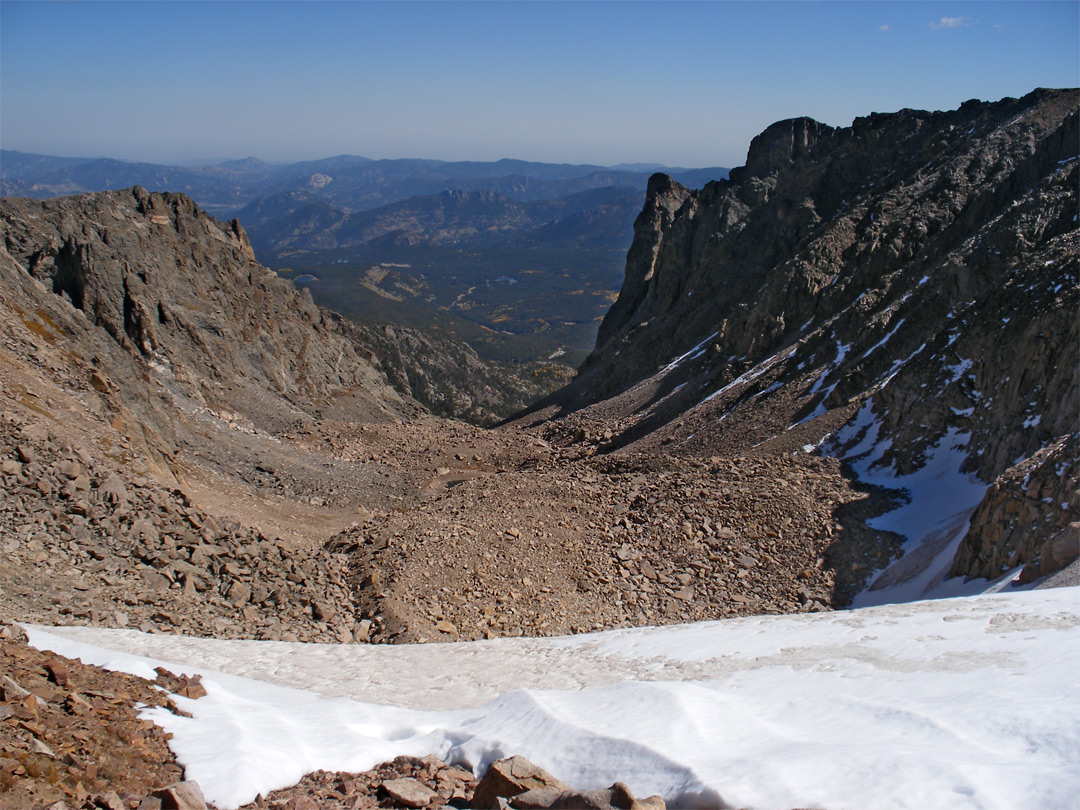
[[348, 181], [219, 189], [499, 273], [520, 259], [295, 223]]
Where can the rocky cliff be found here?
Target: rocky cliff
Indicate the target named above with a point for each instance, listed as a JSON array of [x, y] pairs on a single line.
[[1029, 515], [902, 292], [147, 363], [181, 295], [171, 296]]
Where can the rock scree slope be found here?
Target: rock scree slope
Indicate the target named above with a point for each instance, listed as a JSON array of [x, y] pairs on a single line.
[[906, 287], [857, 318], [195, 445]]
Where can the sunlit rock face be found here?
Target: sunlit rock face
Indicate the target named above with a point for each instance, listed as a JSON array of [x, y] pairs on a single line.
[[917, 268]]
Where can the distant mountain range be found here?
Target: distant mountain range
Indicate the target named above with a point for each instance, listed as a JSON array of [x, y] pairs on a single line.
[[294, 222], [349, 181], [450, 230]]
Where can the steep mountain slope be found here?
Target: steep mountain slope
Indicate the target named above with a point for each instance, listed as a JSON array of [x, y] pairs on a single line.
[[184, 295], [904, 290], [149, 371], [181, 430]]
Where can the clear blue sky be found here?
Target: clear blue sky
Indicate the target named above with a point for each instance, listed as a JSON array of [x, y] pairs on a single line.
[[679, 83]]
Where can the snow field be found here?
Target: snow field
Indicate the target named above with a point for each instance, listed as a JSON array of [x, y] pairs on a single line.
[[944, 705]]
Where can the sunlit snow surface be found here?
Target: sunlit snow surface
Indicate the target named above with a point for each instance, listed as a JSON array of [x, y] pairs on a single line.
[[950, 704]]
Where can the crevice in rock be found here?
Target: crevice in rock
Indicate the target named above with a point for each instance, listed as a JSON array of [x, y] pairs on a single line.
[[70, 276]]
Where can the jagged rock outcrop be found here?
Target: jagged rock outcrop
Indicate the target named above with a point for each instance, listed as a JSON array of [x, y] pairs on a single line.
[[914, 275], [1028, 517], [663, 199], [182, 293]]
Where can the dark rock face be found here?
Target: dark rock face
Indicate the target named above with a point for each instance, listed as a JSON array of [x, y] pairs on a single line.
[[183, 292], [923, 265], [781, 145]]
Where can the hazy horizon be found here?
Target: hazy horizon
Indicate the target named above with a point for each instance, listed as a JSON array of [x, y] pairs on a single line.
[[683, 84], [215, 161]]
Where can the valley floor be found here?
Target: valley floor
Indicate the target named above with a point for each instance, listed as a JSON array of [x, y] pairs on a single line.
[[364, 525]]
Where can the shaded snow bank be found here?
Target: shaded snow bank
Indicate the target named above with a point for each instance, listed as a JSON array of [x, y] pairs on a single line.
[[940, 500], [952, 704]]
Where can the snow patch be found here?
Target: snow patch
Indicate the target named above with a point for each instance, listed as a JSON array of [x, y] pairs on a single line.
[[884, 340], [959, 369], [921, 706], [693, 354], [752, 374], [940, 500]]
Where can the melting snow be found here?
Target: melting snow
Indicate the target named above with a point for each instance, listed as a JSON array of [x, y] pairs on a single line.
[[884, 340], [894, 369], [959, 369], [924, 706], [693, 354], [841, 352], [941, 499], [753, 373]]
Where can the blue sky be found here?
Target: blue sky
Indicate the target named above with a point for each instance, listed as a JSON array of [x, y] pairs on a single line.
[[679, 83]]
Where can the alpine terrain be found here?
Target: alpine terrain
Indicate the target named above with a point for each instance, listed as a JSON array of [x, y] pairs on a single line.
[[846, 375]]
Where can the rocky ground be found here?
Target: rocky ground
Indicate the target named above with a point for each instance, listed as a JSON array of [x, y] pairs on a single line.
[[482, 534], [70, 735], [358, 525], [189, 445], [551, 548]]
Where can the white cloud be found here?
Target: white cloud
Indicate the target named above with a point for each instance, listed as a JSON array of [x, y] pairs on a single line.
[[949, 22], [883, 28]]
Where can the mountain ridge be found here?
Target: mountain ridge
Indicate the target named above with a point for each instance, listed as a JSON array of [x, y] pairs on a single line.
[[354, 182], [806, 358], [835, 272]]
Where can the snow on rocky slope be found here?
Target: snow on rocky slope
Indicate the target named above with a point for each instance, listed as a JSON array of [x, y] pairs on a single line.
[[944, 705], [900, 294]]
